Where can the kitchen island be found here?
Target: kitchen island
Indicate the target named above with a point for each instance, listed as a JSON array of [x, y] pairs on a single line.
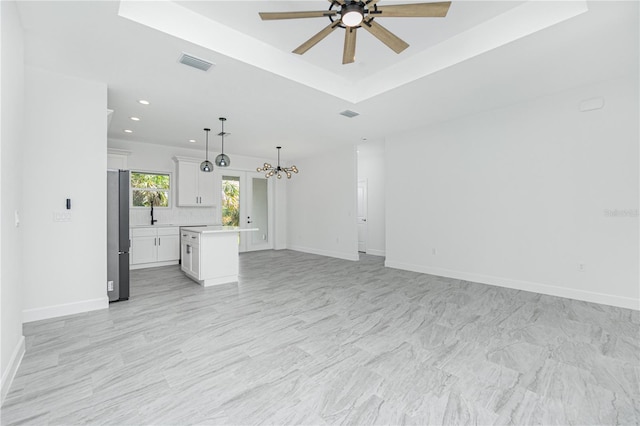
[[210, 253]]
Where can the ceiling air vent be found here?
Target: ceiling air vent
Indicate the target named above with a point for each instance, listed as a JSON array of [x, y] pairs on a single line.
[[194, 62], [349, 113]]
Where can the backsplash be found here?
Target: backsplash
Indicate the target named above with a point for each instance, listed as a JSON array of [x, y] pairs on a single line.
[[177, 216]]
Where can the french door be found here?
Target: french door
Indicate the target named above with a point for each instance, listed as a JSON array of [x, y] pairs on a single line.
[[246, 202]]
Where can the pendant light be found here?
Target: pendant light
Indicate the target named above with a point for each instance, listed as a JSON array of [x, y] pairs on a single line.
[[206, 165], [223, 160], [276, 170]]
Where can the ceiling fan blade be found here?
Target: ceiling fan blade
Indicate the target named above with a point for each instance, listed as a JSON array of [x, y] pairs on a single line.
[[420, 10], [349, 53], [394, 42], [371, 2], [316, 38], [341, 2], [267, 16]]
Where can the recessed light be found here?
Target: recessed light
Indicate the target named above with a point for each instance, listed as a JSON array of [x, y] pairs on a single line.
[[143, 102], [135, 118], [128, 131], [192, 140]]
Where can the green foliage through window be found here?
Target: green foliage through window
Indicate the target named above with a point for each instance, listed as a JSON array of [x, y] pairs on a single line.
[[150, 188], [230, 201]]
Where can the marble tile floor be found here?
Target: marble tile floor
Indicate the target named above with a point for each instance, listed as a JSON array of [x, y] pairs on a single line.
[[305, 339]]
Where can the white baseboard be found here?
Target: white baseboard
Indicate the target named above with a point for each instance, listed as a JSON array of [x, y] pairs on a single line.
[[551, 290], [375, 252], [153, 264], [12, 368], [37, 314], [327, 253]]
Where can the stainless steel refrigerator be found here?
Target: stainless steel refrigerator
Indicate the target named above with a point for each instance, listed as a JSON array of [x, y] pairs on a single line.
[[118, 235]]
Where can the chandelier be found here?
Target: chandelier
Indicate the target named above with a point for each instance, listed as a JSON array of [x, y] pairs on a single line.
[[277, 170]]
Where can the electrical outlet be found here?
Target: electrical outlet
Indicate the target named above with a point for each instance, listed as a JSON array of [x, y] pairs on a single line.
[[434, 251], [581, 267], [109, 285], [63, 216]]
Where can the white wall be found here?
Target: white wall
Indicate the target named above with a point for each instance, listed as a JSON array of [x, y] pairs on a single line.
[[11, 125], [372, 168], [321, 205], [65, 156], [159, 158], [280, 219], [517, 197]]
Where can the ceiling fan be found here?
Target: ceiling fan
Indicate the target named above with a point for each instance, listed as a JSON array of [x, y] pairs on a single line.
[[353, 14]]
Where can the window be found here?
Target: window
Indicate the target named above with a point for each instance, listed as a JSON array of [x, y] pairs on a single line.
[[148, 188]]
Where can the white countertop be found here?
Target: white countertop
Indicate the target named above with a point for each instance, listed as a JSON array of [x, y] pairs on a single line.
[[217, 229], [168, 225]]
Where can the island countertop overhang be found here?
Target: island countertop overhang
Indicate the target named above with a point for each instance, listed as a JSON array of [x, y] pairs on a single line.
[[217, 229]]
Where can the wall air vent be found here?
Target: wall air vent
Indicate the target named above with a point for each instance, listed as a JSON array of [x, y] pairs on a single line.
[[194, 62], [349, 113]]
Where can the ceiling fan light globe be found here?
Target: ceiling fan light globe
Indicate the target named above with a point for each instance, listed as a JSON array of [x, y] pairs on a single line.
[[352, 19]]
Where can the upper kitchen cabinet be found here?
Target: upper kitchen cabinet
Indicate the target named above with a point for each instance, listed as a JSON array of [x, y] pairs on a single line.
[[117, 159], [195, 188]]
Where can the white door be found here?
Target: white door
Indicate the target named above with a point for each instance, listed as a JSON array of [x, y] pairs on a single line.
[[245, 201], [258, 216], [362, 216]]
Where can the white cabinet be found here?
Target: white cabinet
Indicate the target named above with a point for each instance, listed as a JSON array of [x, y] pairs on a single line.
[[195, 187], [154, 246], [168, 244], [190, 247], [143, 245]]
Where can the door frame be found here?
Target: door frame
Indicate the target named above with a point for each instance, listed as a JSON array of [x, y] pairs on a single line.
[[246, 187], [361, 220]]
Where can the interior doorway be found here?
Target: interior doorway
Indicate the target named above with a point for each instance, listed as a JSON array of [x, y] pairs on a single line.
[[246, 202], [362, 216]]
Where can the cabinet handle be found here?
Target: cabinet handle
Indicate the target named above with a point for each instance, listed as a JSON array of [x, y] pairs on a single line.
[[154, 242], [158, 240], [184, 235]]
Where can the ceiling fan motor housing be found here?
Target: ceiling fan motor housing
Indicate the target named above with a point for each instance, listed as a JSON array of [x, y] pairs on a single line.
[[352, 13]]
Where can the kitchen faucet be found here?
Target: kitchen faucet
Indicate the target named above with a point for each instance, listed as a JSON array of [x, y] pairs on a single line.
[[153, 221]]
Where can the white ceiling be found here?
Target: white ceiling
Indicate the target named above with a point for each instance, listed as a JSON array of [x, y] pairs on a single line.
[[483, 55]]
